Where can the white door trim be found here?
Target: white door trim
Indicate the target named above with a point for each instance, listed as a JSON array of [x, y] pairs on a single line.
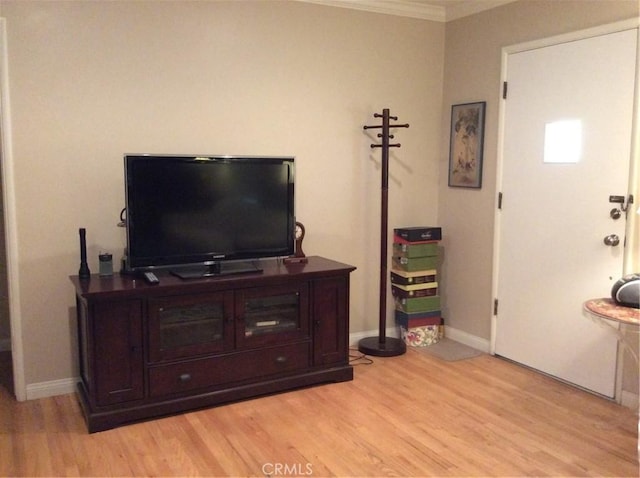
[[632, 253], [634, 176], [623, 25], [11, 229]]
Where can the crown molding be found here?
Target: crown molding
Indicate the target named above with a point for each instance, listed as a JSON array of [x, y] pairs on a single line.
[[438, 11], [403, 8], [468, 8]]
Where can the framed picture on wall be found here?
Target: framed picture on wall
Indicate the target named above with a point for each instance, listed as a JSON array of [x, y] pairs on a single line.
[[466, 145]]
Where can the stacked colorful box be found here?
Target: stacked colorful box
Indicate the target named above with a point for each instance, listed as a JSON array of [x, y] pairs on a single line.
[[414, 284]]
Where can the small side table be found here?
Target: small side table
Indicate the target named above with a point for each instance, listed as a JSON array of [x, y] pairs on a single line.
[[604, 311]]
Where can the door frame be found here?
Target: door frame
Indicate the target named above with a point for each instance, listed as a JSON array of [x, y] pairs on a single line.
[[631, 259], [11, 234]]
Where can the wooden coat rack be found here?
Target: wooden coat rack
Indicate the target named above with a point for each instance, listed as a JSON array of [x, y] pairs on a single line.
[[383, 346]]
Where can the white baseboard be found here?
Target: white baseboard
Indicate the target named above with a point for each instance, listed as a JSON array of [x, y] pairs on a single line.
[[5, 345], [473, 341], [68, 385], [630, 400], [52, 388], [355, 337], [449, 332]]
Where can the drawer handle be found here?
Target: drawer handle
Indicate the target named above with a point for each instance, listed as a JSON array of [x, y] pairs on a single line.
[[185, 377], [281, 359]]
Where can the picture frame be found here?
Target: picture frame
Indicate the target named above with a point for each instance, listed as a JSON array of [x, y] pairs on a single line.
[[466, 147]]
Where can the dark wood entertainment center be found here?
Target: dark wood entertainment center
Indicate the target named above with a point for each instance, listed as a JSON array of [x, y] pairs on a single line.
[[152, 350]]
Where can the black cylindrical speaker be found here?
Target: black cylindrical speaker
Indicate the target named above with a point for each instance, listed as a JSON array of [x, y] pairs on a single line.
[[84, 272]]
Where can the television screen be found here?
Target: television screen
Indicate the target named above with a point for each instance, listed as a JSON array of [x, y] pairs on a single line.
[[190, 210]]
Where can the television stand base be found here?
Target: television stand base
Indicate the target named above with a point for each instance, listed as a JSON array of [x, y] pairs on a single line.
[[215, 270]]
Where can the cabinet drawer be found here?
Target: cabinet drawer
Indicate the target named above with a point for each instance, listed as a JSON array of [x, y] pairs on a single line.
[[226, 369]]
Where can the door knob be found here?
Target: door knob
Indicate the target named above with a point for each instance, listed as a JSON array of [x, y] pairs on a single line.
[[612, 240], [615, 213]]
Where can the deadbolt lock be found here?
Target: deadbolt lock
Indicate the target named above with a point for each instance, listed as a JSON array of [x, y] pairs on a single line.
[[615, 213], [612, 240]]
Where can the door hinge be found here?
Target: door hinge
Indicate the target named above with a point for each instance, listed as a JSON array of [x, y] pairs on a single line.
[[500, 200], [504, 90], [495, 306]]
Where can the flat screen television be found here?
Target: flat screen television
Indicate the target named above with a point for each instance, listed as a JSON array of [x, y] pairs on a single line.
[[205, 215]]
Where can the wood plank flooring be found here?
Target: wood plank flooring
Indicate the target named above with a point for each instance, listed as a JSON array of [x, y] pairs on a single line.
[[412, 415]]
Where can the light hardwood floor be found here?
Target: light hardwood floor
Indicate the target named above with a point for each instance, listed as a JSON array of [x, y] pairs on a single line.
[[412, 415]]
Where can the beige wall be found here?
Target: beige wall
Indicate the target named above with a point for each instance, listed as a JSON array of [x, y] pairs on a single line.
[[472, 73], [90, 81]]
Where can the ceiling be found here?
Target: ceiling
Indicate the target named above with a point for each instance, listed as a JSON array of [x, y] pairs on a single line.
[[437, 10]]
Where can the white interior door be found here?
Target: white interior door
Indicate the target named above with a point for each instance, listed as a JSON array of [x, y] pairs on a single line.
[[576, 97]]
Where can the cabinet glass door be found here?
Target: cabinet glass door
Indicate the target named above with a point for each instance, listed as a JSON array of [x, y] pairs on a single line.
[[273, 314], [186, 326]]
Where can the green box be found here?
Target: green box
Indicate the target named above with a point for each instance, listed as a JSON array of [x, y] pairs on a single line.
[[415, 250], [415, 263], [419, 304]]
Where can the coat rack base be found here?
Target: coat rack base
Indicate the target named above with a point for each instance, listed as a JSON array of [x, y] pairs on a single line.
[[382, 347]]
